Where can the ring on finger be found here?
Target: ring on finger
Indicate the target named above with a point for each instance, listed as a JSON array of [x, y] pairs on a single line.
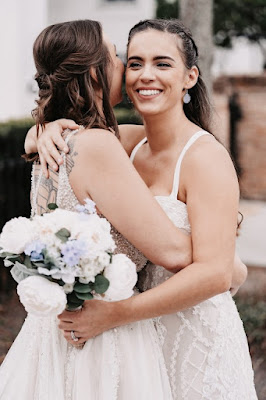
[[73, 336]]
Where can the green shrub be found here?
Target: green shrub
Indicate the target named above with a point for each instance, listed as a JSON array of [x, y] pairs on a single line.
[[12, 136], [127, 116], [253, 315]]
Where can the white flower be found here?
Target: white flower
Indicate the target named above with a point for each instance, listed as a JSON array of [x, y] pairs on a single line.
[[41, 297], [16, 234], [122, 276], [68, 287], [56, 220], [103, 259], [90, 206], [88, 270]]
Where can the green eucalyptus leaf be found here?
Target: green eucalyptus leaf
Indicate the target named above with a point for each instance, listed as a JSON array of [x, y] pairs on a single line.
[[27, 262], [63, 234], [38, 264], [52, 206], [7, 254], [72, 298], [82, 287], [14, 258], [84, 296], [101, 284]]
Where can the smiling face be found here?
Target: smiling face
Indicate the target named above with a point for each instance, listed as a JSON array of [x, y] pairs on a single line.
[[116, 73], [156, 77]]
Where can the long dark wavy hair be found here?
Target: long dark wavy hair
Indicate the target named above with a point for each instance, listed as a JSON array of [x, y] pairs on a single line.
[[198, 110], [65, 55]]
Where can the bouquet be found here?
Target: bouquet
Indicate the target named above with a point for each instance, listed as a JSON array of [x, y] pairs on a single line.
[[62, 258]]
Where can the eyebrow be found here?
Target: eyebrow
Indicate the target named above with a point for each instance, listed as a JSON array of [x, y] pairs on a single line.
[[154, 58]]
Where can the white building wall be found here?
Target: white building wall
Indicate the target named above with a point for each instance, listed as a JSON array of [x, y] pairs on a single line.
[[245, 58], [117, 17], [20, 23]]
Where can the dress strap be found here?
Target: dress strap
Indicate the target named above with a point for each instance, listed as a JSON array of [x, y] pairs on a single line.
[[134, 151], [179, 161]]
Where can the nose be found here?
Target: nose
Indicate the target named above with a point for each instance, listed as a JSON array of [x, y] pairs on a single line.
[[147, 74]]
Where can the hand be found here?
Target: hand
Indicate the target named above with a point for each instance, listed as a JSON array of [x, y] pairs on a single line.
[[94, 318], [50, 142]]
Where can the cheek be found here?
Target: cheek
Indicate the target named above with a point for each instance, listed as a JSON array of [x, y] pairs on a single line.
[[129, 80]]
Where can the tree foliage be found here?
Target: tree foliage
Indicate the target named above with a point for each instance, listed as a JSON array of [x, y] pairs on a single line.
[[234, 18], [167, 9]]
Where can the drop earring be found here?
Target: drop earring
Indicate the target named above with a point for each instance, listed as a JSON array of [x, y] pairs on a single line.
[[186, 98]]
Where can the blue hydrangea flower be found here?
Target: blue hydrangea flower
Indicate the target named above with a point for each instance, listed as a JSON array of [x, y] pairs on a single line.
[[72, 251], [34, 250], [35, 256]]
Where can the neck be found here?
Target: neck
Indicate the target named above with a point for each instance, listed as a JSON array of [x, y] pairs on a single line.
[[166, 129]]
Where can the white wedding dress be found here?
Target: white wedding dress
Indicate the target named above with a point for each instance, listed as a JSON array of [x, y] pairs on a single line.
[[125, 363], [205, 347]]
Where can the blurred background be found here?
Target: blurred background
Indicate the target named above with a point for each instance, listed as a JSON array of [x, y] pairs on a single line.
[[231, 36]]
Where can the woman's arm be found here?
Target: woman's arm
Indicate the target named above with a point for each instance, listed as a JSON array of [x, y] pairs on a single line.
[[240, 274], [101, 170], [49, 141], [212, 201]]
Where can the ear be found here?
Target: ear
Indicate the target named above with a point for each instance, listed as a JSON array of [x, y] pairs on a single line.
[[191, 77]]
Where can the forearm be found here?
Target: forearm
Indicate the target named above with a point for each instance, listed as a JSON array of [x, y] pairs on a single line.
[[240, 273], [185, 289], [31, 141]]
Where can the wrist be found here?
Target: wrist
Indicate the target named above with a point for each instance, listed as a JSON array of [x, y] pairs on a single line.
[[120, 311]]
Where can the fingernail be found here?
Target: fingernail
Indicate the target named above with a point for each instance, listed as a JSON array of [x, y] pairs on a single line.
[[65, 149], [59, 160], [55, 167]]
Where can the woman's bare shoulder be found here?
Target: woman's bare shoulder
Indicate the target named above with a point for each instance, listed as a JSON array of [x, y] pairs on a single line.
[[209, 159], [95, 140], [130, 136]]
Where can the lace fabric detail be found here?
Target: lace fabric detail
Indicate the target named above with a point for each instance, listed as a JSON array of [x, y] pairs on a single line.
[[205, 347]]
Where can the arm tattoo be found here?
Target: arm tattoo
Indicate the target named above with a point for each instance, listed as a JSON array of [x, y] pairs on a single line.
[[47, 192], [70, 156], [48, 188]]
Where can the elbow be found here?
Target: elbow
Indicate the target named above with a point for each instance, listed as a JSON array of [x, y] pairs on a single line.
[[177, 261], [223, 281]]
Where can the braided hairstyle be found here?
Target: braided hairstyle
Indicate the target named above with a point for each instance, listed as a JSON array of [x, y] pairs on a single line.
[[198, 110], [65, 55]]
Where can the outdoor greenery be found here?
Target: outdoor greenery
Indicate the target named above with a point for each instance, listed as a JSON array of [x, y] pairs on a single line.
[[231, 18], [253, 314]]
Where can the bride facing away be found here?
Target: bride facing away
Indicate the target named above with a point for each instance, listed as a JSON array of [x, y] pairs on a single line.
[[193, 179]]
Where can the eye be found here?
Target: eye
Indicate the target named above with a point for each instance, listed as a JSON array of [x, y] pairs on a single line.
[[134, 65], [163, 65]]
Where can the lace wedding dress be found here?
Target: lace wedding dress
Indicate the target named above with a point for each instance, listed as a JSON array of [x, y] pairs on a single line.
[[125, 363], [205, 347]]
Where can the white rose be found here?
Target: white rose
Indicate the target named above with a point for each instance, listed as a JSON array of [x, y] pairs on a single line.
[[54, 221], [122, 276], [41, 297], [16, 234]]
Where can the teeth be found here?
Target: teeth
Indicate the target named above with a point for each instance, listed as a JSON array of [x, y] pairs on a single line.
[[149, 92]]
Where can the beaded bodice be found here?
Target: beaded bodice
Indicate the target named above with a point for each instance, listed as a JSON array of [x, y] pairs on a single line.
[[65, 198]]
